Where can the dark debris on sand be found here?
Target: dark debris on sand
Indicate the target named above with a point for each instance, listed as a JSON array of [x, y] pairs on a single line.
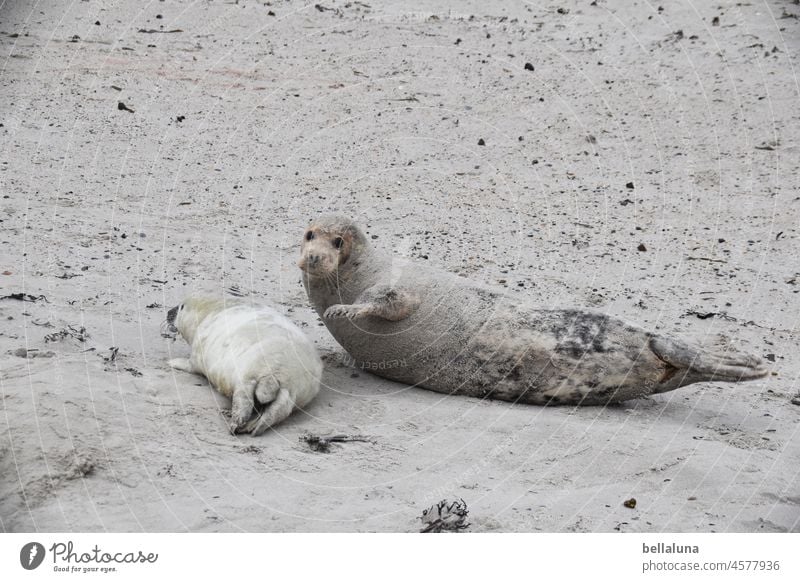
[[25, 297], [445, 516], [322, 444]]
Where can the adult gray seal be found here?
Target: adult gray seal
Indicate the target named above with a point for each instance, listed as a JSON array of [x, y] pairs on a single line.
[[251, 354], [412, 323]]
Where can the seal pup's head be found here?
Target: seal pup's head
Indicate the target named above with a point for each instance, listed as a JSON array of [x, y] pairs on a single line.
[[186, 317], [332, 247]]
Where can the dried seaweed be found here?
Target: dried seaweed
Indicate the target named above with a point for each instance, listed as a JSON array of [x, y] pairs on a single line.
[[445, 516], [78, 333], [25, 297], [322, 444], [156, 31], [711, 314]]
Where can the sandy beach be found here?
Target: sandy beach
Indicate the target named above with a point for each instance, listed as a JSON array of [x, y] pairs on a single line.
[[637, 159]]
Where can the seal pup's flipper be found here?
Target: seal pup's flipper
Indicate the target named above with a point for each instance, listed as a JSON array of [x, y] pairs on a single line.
[[276, 411], [182, 364], [242, 405], [688, 364], [384, 301]]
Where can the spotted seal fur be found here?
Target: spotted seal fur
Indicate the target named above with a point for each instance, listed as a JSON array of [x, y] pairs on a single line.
[[412, 323]]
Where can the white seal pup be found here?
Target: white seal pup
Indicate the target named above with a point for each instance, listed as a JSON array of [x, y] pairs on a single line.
[[251, 354], [412, 323]]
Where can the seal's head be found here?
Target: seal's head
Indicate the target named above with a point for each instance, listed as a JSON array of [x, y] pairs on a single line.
[[331, 247], [186, 317]]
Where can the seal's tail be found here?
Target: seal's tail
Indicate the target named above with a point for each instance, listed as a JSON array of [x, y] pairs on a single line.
[[692, 364]]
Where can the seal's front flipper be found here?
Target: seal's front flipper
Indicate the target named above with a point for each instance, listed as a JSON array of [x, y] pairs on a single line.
[[384, 301], [183, 364], [342, 311]]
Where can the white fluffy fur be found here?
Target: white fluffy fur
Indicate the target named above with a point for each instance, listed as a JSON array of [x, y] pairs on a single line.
[[251, 354]]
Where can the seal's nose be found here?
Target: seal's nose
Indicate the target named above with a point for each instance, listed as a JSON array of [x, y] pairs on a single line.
[[309, 261], [172, 314]]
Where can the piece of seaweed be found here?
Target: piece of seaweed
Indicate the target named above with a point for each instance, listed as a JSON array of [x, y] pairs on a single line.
[[322, 444], [445, 516]]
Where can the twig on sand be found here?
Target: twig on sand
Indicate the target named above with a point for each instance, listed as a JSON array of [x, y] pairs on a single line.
[[156, 31], [25, 297], [711, 314], [706, 259], [322, 444]]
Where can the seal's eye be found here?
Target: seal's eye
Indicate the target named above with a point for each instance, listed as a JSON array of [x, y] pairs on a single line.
[[338, 242], [309, 235]]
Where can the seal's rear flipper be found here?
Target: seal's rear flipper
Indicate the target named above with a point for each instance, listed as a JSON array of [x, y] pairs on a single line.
[[242, 406], [697, 365], [276, 411]]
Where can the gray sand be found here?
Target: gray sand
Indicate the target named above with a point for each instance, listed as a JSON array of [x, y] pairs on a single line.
[[244, 125]]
